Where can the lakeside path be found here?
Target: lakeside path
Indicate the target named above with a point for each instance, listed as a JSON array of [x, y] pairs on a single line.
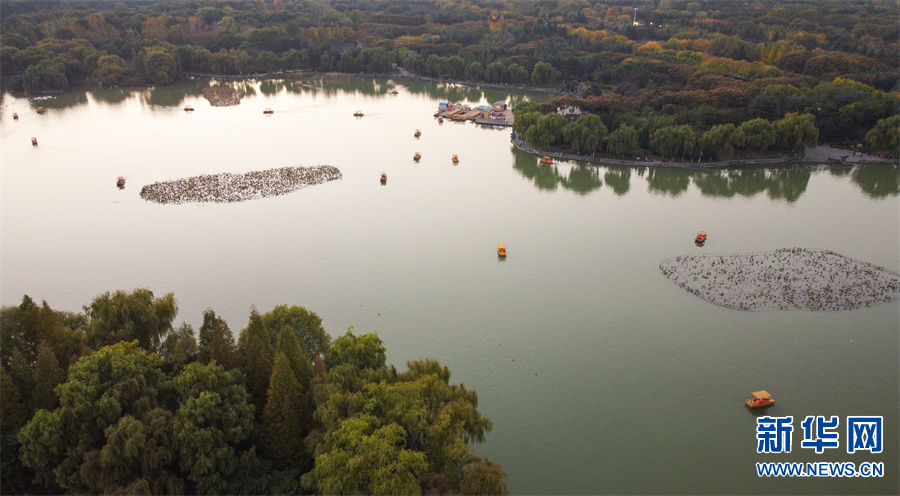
[[817, 155]]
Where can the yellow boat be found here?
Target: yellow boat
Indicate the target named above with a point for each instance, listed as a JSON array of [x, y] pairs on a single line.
[[760, 399], [546, 160], [701, 238], [455, 159], [501, 250]]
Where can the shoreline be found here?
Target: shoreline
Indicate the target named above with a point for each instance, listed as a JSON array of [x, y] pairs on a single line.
[[821, 155]]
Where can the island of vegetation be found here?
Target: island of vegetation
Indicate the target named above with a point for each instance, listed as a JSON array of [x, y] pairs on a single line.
[[784, 279], [229, 188], [223, 96], [116, 400], [668, 80]]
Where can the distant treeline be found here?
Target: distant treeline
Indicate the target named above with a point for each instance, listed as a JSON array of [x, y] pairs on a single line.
[[655, 67], [115, 400]]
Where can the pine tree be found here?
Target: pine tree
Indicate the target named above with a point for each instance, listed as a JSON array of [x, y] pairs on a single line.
[[282, 422]]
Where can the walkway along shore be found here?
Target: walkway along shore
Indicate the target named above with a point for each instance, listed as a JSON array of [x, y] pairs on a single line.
[[821, 155]]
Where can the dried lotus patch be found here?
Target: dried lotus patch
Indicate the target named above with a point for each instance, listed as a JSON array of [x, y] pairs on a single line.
[[785, 279], [229, 188], [223, 96]]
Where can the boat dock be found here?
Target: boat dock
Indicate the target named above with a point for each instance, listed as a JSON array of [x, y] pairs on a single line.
[[493, 115]]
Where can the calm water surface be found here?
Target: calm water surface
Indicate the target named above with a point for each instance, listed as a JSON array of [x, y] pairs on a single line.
[[599, 374]]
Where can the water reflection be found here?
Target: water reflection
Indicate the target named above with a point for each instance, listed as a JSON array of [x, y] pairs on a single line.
[[619, 179], [788, 185], [877, 181], [583, 179], [668, 181]]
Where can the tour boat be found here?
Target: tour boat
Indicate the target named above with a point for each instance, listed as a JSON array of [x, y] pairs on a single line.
[[34, 141], [455, 159], [15, 116], [418, 133], [546, 160], [701, 237], [393, 92], [417, 156], [383, 178], [120, 182], [41, 110], [357, 114], [501, 250], [188, 108], [760, 399], [268, 111]]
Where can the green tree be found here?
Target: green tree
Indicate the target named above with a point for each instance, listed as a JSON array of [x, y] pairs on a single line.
[[70, 446], [306, 324], [474, 71], [267, 62], [13, 410], [179, 347], [755, 134], [216, 342], [586, 134], [125, 317], [47, 75], [282, 420], [716, 142], [543, 74], [548, 130], [360, 352], [159, 66], [361, 457], [885, 136], [796, 133], [110, 70], [213, 427], [258, 354], [47, 375], [623, 141], [673, 141]]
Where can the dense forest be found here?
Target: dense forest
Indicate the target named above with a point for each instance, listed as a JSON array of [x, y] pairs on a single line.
[[677, 79], [117, 400]]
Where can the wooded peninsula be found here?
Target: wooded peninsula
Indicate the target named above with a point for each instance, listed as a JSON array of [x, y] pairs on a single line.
[[117, 400], [672, 79]]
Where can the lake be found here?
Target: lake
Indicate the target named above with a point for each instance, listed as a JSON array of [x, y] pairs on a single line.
[[599, 374]]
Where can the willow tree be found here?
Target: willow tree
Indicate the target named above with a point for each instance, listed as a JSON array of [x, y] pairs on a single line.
[[121, 316]]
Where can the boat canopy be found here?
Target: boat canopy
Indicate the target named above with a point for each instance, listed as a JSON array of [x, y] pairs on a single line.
[[703, 233], [761, 395]]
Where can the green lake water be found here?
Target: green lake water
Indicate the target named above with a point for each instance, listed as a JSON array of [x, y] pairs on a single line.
[[599, 374]]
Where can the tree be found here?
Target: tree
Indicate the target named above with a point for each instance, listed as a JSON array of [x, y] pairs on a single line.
[[125, 317], [216, 342], [672, 141], [72, 446], [716, 142], [179, 347], [258, 354], [474, 71], [110, 70], [796, 133], [623, 141], [360, 352], [213, 426], [306, 324], [47, 375], [885, 136], [543, 74], [548, 130], [283, 421], [755, 134], [586, 134], [159, 66], [361, 457], [47, 75]]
